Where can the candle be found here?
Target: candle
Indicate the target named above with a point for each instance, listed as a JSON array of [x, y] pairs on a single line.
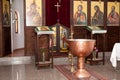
[[71, 28], [71, 32]]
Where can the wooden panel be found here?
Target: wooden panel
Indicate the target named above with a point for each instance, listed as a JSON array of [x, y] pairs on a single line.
[[30, 41], [1, 48], [7, 40], [112, 37], [79, 32], [101, 45], [30, 37]]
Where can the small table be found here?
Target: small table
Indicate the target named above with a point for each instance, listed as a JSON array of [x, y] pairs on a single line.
[[115, 55], [99, 31]]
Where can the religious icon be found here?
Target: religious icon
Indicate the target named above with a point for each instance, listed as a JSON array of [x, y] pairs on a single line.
[[97, 15], [6, 15], [63, 33], [33, 12], [79, 15], [113, 14], [54, 36]]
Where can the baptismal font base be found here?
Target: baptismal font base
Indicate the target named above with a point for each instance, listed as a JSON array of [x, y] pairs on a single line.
[[81, 72]]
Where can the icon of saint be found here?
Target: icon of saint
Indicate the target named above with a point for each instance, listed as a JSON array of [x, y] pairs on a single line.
[[5, 15], [80, 16], [33, 17], [98, 17], [113, 17]]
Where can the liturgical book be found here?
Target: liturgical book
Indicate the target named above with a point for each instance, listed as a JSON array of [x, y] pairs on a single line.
[[43, 30], [96, 30]]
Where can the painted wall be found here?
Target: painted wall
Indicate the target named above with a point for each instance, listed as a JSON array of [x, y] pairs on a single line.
[[18, 38]]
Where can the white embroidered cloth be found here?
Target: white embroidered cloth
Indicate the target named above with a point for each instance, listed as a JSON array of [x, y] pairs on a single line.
[[115, 55]]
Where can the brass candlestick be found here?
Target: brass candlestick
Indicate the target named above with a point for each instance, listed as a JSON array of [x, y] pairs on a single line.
[[43, 57], [70, 57], [42, 51]]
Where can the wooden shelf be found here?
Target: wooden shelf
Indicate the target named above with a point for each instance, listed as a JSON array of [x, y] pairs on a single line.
[[95, 59], [43, 64]]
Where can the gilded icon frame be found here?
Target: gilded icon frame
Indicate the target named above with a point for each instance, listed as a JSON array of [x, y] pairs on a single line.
[[81, 20], [35, 12], [97, 19], [113, 20]]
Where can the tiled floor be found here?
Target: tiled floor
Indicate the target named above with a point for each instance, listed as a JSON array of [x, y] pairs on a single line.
[[23, 68]]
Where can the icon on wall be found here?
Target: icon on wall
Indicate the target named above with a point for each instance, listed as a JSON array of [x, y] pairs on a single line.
[[34, 12], [97, 13], [80, 13], [6, 12], [113, 14]]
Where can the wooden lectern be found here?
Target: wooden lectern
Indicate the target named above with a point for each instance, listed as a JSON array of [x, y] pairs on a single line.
[[94, 30], [44, 55]]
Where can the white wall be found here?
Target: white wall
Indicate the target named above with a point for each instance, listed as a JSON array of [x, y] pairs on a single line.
[[18, 38]]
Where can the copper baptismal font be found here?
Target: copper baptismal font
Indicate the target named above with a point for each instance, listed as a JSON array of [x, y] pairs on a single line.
[[81, 48]]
